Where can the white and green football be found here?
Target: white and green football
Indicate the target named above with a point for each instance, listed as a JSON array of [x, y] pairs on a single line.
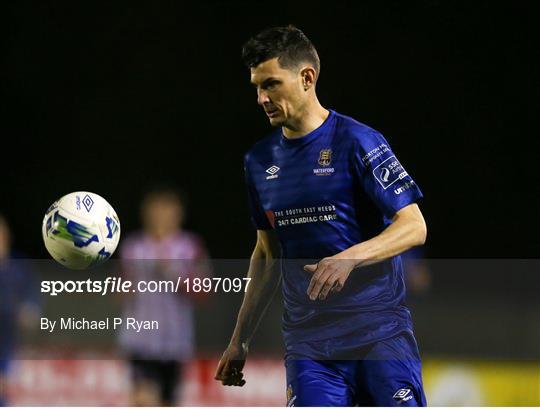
[[81, 230]]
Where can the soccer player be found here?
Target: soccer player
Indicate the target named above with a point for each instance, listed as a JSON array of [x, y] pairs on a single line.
[[157, 253], [326, 188]]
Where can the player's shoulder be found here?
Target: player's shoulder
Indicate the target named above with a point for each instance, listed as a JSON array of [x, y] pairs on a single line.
[[361, 136], [182, 244], [190, 237], [263, 148]]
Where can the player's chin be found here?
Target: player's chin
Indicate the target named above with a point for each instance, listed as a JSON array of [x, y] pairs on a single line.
[[276, 120]]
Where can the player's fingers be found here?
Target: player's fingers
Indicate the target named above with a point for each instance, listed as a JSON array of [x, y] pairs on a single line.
[[237, 365], [234, 380], [337, 287], [328, 285], [219, 370], [231, 373], [228, 380], [238, 379], [226, 370], [317, 283], [314, 278], [321, 267], [313, 281], [310, 268]]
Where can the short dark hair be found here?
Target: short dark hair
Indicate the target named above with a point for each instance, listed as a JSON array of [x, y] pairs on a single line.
[[289, 44]]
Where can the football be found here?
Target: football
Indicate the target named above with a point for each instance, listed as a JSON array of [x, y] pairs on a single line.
[[81, 230]]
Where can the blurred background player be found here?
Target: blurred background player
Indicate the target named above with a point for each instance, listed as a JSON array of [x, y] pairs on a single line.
[[161, 251], [19, 302]]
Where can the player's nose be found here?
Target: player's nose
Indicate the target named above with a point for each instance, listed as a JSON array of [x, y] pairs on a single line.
[[262, 97]]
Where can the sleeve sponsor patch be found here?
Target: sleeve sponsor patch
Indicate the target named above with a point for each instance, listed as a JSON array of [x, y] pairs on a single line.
[[389, 172], [375, 154]]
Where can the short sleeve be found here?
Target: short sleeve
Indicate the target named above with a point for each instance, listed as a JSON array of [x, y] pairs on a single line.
[[258, 215], [381, 174]]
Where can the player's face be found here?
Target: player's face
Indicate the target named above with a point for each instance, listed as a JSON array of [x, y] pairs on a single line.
[[162, 216], [279, 91]]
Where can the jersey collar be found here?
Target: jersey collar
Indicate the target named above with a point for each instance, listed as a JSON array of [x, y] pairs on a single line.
[[303, 140]]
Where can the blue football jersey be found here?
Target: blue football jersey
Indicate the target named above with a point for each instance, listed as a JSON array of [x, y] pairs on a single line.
[[322, 193]]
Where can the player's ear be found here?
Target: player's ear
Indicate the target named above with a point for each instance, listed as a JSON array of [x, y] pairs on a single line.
[[308, 75]]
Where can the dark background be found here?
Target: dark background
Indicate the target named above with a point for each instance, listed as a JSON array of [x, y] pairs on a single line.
[[114, 97]]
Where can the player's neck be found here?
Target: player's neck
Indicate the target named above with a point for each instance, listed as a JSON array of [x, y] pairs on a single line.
[[162, 235], [310, 119]]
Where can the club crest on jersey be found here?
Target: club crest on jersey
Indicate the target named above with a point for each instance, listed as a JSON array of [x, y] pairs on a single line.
[[325, 159]]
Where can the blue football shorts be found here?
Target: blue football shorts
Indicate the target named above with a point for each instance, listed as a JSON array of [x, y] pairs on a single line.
[[387, 373]]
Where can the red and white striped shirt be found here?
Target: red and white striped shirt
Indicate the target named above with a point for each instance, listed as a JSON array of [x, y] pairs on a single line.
[[147, 259]]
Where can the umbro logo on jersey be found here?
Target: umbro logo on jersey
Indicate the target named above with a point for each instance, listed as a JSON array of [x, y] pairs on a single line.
[[403, 395], [272, 172]]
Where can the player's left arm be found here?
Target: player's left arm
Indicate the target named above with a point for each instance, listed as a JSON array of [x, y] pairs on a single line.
[[408, 229]]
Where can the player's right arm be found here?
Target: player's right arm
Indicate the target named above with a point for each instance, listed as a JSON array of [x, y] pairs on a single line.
[[265, 277]]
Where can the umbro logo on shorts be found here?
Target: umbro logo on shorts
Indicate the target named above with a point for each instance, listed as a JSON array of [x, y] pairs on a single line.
[[403, 395]]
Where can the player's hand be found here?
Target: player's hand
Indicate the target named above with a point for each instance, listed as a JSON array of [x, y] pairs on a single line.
[[329, 274], [229, 370]]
